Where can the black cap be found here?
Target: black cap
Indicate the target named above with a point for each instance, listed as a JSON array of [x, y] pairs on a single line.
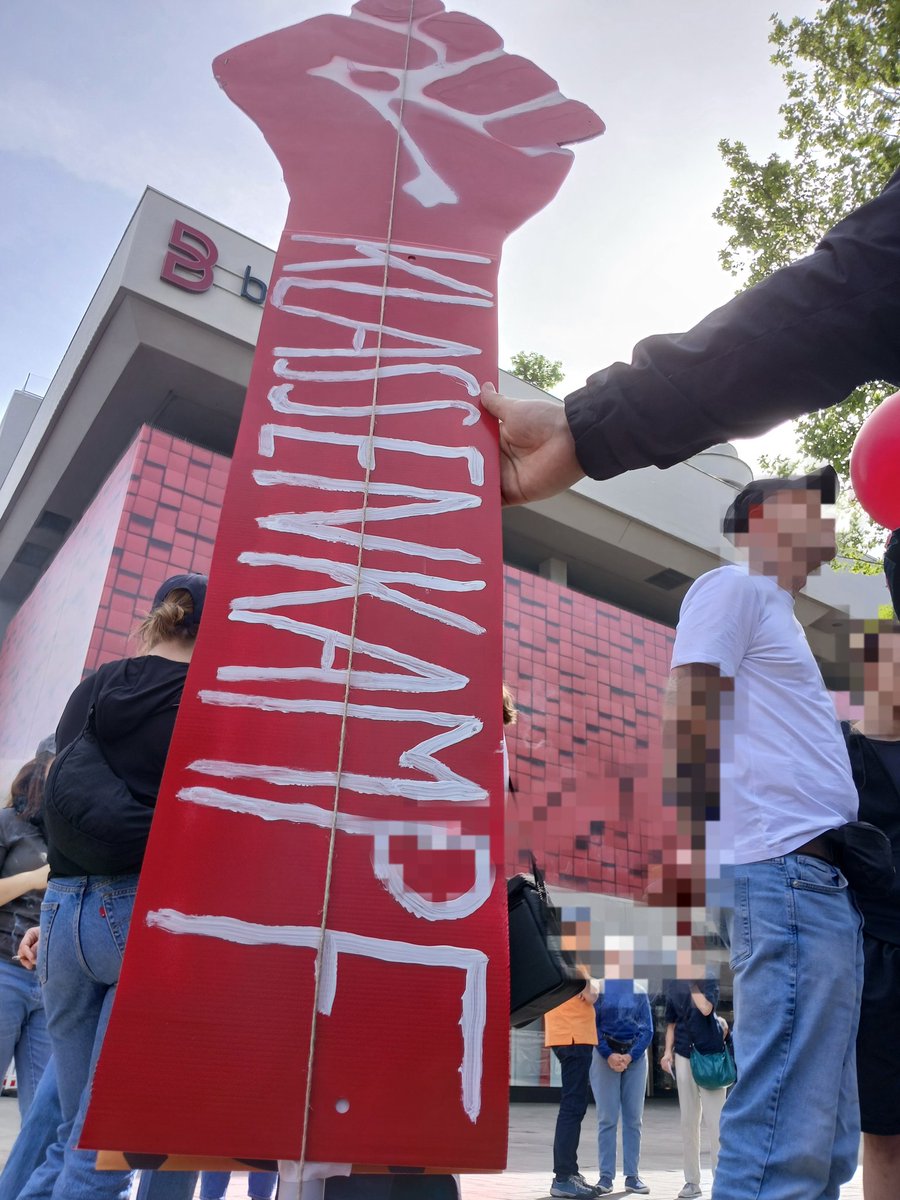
[[196, 585], [824, 480]]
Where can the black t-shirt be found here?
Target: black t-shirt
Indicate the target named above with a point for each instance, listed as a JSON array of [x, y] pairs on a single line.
[[135, 704], [692, 1028], [876, 773]]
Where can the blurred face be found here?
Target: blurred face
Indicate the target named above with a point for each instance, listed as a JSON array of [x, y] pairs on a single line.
[[876, 659], [792, 529]]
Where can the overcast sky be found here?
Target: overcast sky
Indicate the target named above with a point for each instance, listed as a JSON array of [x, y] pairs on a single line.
[[99, 98]]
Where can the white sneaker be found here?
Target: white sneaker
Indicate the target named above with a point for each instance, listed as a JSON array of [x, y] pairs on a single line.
[[689, 1192]]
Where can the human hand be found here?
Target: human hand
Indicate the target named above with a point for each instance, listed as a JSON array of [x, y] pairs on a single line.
[[591, 991], [616, 1062], [480, 132], [28, 948], [723, 1025], [667, 1062], [41, 877], [537, 450]]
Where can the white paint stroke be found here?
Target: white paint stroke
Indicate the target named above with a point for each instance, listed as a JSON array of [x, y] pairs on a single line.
[[419, 790], [324, 239], [420, 345], [422, 676], [360, 581], [375, 256], [279, 401], [366, 447], [336, 942], [435, 500], [466, 378], [429, 838], [420, 757], [304, 525]]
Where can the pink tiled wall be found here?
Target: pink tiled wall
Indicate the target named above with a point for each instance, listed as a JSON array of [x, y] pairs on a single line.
[[155, 515], [43, 653], [587, 676]]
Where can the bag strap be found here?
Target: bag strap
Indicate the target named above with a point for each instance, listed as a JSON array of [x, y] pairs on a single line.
[[539, 881]]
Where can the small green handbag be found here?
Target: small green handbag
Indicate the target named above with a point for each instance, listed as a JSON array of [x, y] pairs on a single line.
[[713, 1071]]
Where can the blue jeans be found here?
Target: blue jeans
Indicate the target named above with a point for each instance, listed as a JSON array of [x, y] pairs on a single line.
[[619, 1093], [84, 923], [575, 1063], [790, 1128], [23, 1030], [260, 1184], [28, 1163]]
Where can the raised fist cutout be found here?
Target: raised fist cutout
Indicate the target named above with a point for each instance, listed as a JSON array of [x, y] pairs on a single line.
[[474, 134]]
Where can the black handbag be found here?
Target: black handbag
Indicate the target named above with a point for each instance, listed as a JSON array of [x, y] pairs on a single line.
[[541, 974], [90, 814]]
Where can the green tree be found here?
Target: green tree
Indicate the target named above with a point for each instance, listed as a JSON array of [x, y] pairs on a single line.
[[535, 368], [841, 70]]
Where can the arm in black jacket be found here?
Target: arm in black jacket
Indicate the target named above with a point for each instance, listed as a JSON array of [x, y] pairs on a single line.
[[800, 340], [891, 574]]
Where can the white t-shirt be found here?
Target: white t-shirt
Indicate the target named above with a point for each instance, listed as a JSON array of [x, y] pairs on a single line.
[[785, 772]]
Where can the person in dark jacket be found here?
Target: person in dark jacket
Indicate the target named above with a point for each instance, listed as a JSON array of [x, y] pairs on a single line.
[[800, 340], [873, 743], [23, 877], [132, 705], [692, 1024], [891, 574]]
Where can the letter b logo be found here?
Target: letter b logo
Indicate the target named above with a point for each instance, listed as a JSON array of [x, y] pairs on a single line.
[[190, 260]]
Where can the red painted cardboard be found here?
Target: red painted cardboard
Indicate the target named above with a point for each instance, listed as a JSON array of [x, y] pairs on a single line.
[[332, 805]]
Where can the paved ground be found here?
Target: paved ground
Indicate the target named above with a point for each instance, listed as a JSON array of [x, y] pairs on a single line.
[[531, 1136]]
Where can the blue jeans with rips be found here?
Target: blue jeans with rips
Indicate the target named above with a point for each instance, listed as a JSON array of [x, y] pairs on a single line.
[[790, 1127], [619, 1093], [23, 1030], [575, 1064], [84, 924]]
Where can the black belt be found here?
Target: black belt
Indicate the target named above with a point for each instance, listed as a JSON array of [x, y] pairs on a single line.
[[817, 847]]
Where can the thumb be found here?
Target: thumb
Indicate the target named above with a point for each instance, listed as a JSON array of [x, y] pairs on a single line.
[[493, 401]]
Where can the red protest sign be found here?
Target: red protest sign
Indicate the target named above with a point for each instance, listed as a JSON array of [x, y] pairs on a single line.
[[321, 895]]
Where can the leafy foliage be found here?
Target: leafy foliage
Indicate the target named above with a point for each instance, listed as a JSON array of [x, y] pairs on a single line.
[[535, 368], [841, 70]]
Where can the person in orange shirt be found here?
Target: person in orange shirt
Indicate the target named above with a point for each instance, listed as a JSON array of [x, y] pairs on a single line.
[[571, 1031]]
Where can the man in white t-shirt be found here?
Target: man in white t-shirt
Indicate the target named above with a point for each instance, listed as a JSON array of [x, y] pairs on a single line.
[[757, 759]]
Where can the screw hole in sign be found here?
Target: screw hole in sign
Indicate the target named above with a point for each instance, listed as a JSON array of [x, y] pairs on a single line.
[[342, 1106]]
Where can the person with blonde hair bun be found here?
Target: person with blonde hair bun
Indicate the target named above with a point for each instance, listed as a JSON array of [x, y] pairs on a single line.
[[96, 839]]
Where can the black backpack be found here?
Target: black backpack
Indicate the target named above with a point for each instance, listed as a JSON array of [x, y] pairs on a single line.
[[91, 816]]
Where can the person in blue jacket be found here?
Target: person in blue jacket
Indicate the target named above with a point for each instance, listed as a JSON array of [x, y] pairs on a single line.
[[619, 1069]]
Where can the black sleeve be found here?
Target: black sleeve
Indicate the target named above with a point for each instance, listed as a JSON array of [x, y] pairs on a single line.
[[75, 713], [891, 574], [800, 340]]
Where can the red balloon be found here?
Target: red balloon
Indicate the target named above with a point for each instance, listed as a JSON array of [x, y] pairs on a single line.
[[875, 463]]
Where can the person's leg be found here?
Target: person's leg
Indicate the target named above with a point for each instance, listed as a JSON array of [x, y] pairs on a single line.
[[87, 921], [787, 1129], [634, 1089], [881, 1166], [575, 1062], [15, 991], [878, 1069], [33, 1050], [214, 1184], [712, 1103], [29, 1163], [689, 1105], [167, 1185], [606, 1086], [261, 1184]]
